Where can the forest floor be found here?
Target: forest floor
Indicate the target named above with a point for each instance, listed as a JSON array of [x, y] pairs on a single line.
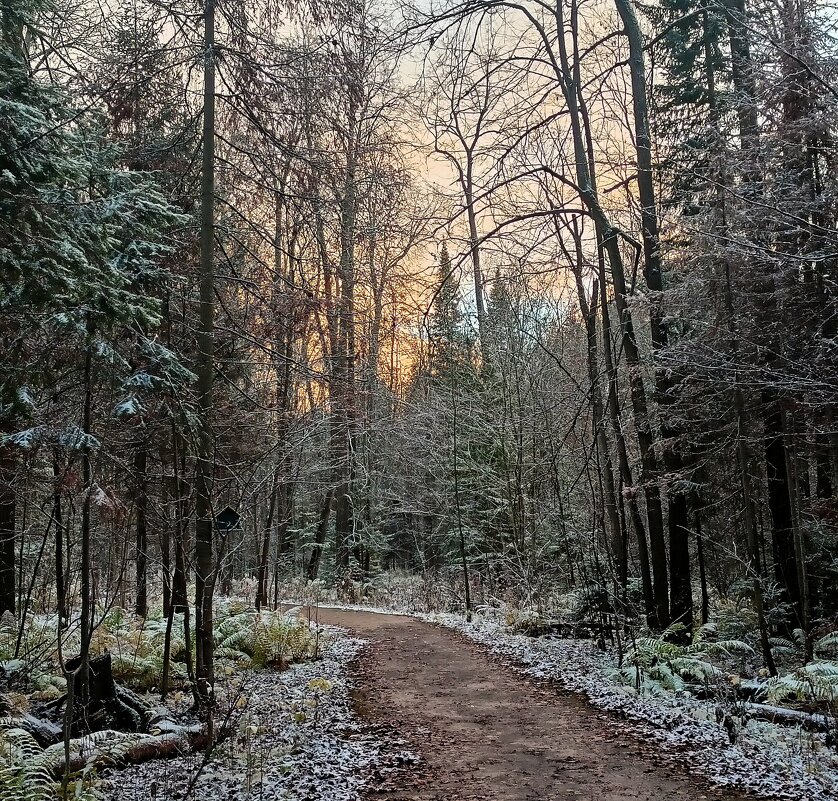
[[484, 731]]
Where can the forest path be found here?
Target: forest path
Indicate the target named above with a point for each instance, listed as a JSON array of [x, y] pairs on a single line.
[[486, 732]]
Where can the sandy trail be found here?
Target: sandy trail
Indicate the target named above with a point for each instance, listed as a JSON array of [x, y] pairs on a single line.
[[486, 732]]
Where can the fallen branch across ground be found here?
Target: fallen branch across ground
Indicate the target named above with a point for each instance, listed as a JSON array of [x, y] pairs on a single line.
[[788, 717], [108, 749]]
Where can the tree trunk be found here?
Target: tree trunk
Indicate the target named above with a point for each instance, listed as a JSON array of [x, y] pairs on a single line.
[[8, 515], [320, 537], [615, 417], [461, 536], [262, 572], [204, 567], [702, 570], [680, 604], [474, 247], [86, 544], [603, 446], [141, 506], [60, 532], [780, 507], [608, 237], [344, 384]]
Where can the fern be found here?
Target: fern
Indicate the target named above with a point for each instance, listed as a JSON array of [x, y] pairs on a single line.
[[99, 749], [24, 776], [669, 664], [826, 642], [816, 682], [262, 638]]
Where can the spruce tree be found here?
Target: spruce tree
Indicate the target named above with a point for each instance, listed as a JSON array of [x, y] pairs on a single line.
[[82, 243]]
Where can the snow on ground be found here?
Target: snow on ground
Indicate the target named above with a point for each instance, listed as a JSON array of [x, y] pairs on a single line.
[[769, 760], [296, 739], [373, 610]]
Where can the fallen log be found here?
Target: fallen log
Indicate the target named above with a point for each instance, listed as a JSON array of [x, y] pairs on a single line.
[[788, 717], [558, 628], [111, 749], [45, 732]]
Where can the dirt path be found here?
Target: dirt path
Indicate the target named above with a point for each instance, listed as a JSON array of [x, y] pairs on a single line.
[[485, 732]]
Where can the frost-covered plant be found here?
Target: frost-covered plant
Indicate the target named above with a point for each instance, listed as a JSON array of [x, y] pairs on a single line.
[[30, 662], [24, 775], [815, 683], [27, 771], [137, 645], [524, 621], [658, 664], [319, 687], [264, 638]]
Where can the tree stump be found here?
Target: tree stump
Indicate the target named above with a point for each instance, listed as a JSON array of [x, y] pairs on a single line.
[[108, 704]]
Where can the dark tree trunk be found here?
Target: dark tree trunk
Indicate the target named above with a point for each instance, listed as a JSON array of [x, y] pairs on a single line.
[[702, 570], [680, 594], [626, 473], [108, 705], [204, 565], [86, 533], [608, 238], [8, 514], [780, 506], [603, 446], [344, 521], [680, 590], [264, 555], [320, 537], [141, 506], [58, 520], [166, 566]]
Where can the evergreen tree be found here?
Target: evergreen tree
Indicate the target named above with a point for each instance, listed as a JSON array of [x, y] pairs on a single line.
[[81, 245], [448, 343]]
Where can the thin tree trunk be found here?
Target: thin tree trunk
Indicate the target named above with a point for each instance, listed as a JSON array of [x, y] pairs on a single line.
[[461, 536], [262, 572], [8, 515], [60, 533], [86, 632], [180, 594], [474, 247], [608, 237], [141, 506], [320, 537], [344, 408], [204, 668], [780, 507], [603, 446], [702, 570], [681, 605], [626, 472]]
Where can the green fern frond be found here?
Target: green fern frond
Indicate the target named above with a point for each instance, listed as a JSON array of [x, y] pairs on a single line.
[[815, 682], [827, 641], [720, 648], [828, 670], [23, 775]]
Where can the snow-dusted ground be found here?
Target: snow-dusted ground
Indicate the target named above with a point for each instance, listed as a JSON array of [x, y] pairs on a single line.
[[373, 610], [296, 739], [768, 760]]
